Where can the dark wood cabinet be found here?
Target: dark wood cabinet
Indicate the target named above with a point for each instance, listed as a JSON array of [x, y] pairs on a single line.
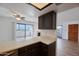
[[48, 50], [47, 21], [38, 49], [31, 50], [40, 22]]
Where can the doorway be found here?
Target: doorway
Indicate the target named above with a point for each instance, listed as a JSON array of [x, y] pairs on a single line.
[[73, 32]]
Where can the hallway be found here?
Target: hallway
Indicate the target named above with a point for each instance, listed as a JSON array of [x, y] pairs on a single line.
[[67, 48]]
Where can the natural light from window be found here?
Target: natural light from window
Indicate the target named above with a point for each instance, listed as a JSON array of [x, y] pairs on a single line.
[[24, 30]]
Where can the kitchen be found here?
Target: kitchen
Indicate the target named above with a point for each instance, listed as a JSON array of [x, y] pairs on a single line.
[[27, 31]]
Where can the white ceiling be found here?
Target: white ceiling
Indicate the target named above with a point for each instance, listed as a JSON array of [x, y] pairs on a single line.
[[27, 10], [23, 9]]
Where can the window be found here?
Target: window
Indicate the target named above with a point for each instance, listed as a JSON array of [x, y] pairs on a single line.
[[29, 30], [24, 30]]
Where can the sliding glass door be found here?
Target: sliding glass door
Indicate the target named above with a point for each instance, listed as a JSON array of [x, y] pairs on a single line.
[[24, 30]]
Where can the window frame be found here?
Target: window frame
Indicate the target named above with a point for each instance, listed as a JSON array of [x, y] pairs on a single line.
[[33, 29], [24, 30]]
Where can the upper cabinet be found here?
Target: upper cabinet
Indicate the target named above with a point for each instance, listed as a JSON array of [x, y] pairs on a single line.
[[47, 21]]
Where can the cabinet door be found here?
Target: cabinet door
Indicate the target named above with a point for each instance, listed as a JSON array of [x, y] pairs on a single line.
[[41, 22], [47, 21], [48, 50], [53, 20], [31, 50], [52, 49]]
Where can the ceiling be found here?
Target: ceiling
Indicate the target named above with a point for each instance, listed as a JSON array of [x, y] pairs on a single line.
[[26, 10], [40, 6]]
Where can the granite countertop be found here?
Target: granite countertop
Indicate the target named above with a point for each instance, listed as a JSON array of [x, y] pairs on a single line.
[[6, 46]]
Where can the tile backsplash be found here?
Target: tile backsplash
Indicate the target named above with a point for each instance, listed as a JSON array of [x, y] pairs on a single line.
[[51, 33]]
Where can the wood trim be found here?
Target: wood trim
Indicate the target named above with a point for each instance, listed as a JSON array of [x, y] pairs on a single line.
[[42, 8]]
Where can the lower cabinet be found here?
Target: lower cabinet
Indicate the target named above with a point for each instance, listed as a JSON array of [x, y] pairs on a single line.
[[31, 50], [38, 49], [48, 50]]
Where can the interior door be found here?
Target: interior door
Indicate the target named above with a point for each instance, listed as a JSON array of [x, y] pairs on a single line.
[[73, 32]]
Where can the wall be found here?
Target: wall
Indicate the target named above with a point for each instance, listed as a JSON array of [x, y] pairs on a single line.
[[67, 17], [8, 29], [46, 32], [51, 33], [63, 18], [5, 30]]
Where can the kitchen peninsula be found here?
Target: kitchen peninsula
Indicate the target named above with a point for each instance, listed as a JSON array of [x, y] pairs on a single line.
[[37, 46]]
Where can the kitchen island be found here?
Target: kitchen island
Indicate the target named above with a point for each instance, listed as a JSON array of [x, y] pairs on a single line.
[[37, 46]]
